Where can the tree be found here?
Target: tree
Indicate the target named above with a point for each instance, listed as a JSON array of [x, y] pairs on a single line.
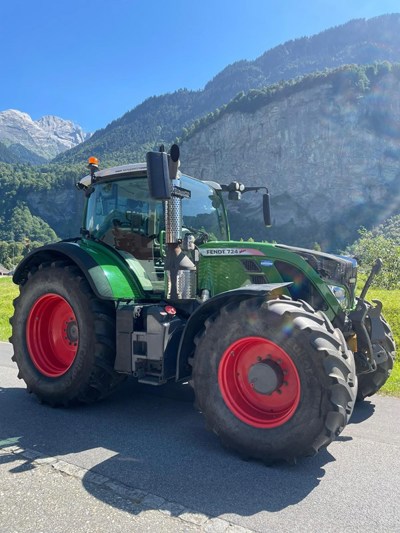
[[23, 224], [368, 248]]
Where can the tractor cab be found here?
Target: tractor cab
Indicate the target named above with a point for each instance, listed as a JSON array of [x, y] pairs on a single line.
[[121, 213]]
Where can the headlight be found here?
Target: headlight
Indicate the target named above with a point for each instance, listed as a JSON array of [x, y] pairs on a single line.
[[340, 294]]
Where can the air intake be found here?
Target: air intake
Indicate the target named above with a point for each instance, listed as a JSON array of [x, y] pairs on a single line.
[[251, 266]]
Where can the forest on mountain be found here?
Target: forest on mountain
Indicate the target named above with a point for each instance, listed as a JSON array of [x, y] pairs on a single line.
[[363, 77]]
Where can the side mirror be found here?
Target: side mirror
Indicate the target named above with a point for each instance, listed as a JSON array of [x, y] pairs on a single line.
[[267, 210], [158, 175]]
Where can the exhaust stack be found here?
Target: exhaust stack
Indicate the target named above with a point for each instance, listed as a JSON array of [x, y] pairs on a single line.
[[164, 182]]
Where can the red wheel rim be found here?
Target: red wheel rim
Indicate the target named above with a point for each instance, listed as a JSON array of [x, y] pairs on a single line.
[[259, 382], [52, 335]]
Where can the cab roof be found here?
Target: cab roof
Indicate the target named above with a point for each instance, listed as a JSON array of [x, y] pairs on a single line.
[[132, 168], [139, 169]]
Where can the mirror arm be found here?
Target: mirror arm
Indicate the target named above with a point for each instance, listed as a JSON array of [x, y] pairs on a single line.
[[255, 189]]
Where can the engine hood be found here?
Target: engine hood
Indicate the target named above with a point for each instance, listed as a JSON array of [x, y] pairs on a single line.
[[332, 268]]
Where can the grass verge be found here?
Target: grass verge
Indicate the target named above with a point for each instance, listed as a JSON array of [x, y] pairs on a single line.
[[8, 291], [391, 303]]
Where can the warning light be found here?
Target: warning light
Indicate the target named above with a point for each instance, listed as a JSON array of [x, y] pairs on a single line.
[[93, 165], [170, 310]]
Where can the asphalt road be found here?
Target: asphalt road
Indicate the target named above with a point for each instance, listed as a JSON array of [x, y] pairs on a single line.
[[147, 451]]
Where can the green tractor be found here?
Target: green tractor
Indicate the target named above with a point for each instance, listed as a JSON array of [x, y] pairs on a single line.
[[271, 337]]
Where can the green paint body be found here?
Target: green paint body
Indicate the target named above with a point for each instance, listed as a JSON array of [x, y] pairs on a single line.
[[223, 273], [216, 273], [126, 284]]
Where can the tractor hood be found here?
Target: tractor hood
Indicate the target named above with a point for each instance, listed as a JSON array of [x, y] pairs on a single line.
[[333, 269]]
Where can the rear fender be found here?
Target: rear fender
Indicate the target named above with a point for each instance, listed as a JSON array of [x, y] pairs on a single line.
[[106, 272], [196, 320]]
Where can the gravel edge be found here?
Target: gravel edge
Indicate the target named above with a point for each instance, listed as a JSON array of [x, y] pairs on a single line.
[[143, 500]]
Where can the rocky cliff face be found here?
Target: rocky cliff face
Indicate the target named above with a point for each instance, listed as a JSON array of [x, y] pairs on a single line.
[[329, 156], [44, 138]]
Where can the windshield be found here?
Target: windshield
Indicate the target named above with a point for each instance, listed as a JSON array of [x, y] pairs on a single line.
[[203, 211]]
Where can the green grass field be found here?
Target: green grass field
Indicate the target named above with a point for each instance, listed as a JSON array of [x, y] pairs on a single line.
[[8, 291], [390, 300]]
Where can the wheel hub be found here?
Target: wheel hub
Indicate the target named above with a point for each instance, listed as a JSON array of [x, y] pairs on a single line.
[[266, 377], [72, 331], [259, 382]]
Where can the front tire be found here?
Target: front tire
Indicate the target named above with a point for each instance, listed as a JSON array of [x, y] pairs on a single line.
[[369, 384], [273, 379], [64, 337]]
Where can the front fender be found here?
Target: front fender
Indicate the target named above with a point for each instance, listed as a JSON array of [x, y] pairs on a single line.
[[106, 272], [196, 320]]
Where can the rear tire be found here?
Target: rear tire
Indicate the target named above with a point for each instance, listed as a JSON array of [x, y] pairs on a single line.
[[64, 337], [273, 379]]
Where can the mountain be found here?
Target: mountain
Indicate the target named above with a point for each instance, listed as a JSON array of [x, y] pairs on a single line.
[[327, 147], [160, 119], [6, 155], [37, 141], [326, 142], [17, 153]]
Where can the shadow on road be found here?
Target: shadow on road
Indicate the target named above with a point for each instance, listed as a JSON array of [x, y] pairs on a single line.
[[362, 411], [156, 442]]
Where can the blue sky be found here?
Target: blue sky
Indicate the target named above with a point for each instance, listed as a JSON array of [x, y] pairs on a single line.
[[91, 61]]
